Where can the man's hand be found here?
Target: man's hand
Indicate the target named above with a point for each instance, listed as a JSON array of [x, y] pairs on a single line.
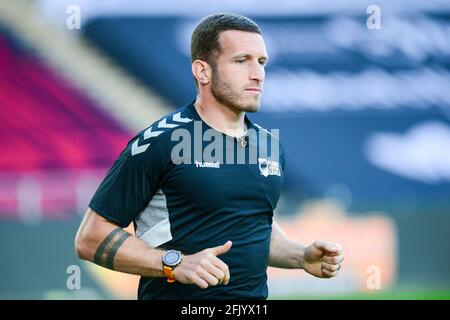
[[204, 269], [323, 259]]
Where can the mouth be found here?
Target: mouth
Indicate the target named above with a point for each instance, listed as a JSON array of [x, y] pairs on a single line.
[[254, 89]]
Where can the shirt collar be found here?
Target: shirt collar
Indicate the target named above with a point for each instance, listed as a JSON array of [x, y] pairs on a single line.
[[196, 116]]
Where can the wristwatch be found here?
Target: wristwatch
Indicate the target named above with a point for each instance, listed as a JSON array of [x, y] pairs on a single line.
[[170, 260]]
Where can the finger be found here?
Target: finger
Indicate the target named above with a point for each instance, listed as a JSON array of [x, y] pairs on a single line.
[[221, 249], [329, 274], [216, 272], [328, 247], [222, 266], [209, 278], [331, 267], [199, 281], [338, 248], [333, 259]]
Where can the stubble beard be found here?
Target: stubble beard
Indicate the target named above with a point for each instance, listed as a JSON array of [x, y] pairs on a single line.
[[223, 93]]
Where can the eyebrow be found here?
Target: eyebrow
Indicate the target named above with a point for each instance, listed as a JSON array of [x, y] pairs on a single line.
[[244, 55]]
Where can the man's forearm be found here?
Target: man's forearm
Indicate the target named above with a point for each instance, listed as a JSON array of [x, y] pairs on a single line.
[[109, 246], [124, 252], [285, 253]]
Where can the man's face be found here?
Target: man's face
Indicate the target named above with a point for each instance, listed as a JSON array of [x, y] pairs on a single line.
[[238, 74]]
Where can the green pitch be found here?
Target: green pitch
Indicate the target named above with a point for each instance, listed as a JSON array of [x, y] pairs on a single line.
[[394, 295]]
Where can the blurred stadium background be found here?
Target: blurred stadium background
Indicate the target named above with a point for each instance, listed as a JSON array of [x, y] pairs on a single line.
[[364, 115]]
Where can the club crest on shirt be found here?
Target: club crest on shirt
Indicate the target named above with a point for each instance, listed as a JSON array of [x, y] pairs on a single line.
[[269, 167]]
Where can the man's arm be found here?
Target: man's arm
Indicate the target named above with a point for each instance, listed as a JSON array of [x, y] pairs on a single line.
[[100, 241], [284, 253], [321, 259]]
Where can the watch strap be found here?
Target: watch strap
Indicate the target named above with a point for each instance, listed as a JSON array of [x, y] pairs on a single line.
[[168, 272]]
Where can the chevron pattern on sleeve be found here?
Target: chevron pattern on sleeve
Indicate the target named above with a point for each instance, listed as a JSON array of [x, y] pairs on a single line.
[[176, 120]]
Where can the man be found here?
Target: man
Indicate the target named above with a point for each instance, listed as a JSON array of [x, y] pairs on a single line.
[[204, 229]]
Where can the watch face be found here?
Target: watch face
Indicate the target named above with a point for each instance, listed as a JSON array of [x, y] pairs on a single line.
[[172, 257]]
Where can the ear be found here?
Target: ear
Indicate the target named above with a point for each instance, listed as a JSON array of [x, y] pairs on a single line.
[[201, 71]]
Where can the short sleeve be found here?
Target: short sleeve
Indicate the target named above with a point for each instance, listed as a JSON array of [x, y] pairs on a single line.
[[130, 183]]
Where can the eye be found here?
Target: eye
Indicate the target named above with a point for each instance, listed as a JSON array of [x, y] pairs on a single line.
[[262, 62], [240, 61]]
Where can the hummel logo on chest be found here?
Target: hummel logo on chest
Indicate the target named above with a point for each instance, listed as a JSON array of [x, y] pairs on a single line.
[[200, 164]]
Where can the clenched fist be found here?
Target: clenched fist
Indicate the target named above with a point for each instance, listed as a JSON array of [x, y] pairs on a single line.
[[203, 268], [323, 259]]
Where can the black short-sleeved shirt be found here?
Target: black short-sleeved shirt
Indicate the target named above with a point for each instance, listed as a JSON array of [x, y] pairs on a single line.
[[179, 198]]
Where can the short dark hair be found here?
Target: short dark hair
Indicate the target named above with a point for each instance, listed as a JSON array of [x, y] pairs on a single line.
[[205, 38]]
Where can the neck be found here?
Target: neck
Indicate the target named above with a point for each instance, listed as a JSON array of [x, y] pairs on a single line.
[[220, 117]]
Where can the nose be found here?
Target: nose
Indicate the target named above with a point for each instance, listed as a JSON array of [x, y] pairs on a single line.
[[257, 72]]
